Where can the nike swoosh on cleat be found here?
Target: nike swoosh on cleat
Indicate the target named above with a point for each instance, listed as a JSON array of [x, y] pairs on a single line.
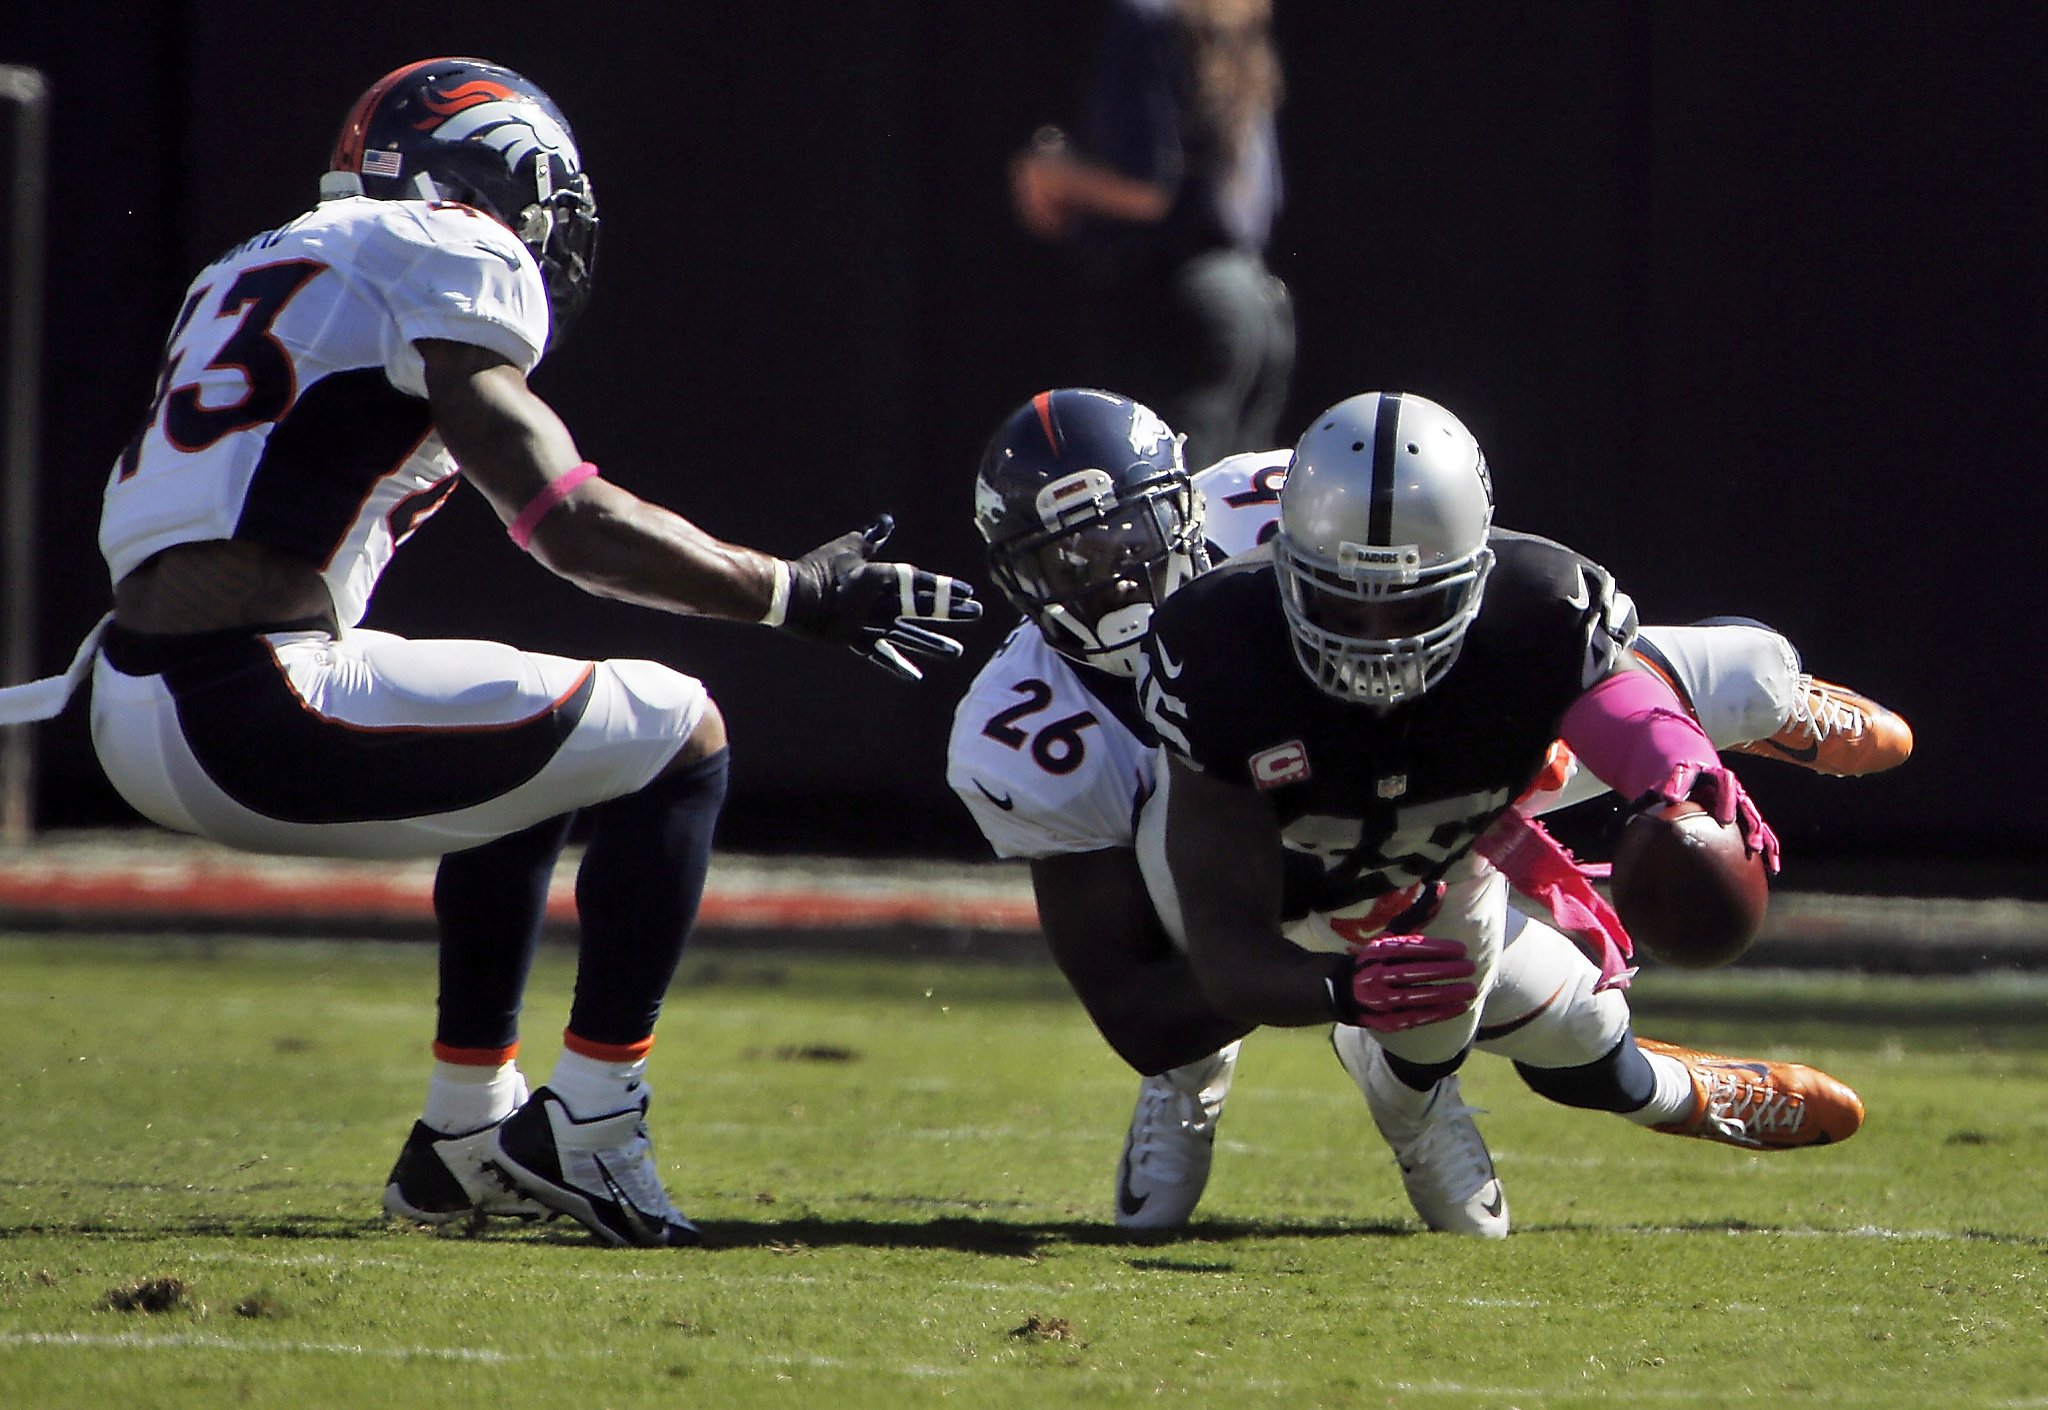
[[1128, 1200], [1805, 754], [1499, 1202], [1006, 802], [649, 1233], [1761, 1069]]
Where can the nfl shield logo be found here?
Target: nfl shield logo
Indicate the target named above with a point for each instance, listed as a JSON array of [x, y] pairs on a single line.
[[1392, 786]]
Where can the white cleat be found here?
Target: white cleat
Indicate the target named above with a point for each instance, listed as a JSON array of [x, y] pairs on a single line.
[[1165, 1161], [598, 1172], [1444, 1162], [440, 1178]]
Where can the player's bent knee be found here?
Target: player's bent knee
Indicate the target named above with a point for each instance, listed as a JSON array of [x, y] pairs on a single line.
[[704, 741]]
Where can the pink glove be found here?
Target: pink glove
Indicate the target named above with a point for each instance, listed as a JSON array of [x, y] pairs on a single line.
[[1539, 868], [1716, 788], [1400, 981]]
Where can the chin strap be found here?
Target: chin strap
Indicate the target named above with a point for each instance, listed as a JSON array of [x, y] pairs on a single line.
[[1539, 867]]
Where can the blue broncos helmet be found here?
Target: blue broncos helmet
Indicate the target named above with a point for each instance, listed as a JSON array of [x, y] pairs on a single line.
[[1090, 520], [477, 133]]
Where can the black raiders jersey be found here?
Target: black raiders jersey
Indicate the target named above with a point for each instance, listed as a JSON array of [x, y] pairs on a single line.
[[1369, 801]]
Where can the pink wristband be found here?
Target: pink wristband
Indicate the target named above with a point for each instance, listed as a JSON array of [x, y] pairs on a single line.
[[545, 503]]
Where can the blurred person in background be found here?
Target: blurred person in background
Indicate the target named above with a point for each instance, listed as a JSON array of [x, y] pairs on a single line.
[[1169, 192]]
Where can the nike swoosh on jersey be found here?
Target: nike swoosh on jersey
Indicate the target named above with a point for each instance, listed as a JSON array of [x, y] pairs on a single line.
[[1582, 595], [1006, 802], [1168, 667], [510, 260]]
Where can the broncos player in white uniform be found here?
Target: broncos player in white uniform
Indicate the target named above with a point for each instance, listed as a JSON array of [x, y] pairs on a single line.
[[1089, 518], [327, 384]]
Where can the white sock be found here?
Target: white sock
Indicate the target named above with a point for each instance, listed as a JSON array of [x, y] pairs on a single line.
[[591, 1087], [1673, 1100], [462, 1098]]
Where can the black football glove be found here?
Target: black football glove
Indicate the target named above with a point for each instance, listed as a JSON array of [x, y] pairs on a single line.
[[838, 597]]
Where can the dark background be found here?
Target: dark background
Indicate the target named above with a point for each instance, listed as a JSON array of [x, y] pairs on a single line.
[[1742, 300]]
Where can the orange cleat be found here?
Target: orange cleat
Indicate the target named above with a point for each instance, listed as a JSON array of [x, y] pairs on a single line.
[[1833, 730], [1761, 1105]]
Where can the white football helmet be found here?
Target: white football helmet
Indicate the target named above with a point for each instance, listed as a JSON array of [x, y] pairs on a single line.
[[1382, 554]]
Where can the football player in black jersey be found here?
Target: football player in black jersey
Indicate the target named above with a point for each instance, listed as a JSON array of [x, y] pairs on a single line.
[[1083, 499], [1347, 724]]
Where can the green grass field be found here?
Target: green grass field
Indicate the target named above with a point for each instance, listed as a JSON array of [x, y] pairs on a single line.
[[904, 1171]]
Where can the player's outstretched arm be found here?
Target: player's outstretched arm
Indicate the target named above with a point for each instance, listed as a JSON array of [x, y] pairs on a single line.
[[1634, 735], [1140, 991], [516, 450], [1223, 850]]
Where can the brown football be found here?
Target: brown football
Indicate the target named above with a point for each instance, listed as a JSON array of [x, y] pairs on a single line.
[[1688, 892]]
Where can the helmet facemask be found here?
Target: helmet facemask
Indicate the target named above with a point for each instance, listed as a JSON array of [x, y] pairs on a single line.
[[560, 231], [1092, 581], [1370, 625]]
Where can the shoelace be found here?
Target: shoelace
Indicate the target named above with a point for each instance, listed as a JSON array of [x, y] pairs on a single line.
[[1743, 1111], [1825, 713], [631, 1164], [1450, 1150], [1170, 1127]]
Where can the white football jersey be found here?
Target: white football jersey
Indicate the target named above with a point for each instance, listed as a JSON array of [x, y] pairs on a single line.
[[1241, 500], [292, 406], [1043, 765]]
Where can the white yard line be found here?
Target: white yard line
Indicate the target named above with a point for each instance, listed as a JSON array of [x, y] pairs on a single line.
[[181, 1341]]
